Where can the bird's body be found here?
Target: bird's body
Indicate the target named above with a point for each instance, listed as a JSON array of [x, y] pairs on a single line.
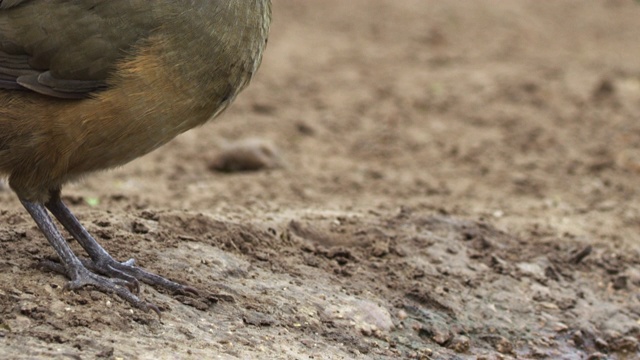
[[161, 68], [87, 85]]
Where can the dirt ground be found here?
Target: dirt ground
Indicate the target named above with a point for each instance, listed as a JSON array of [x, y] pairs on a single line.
[[456, 180]]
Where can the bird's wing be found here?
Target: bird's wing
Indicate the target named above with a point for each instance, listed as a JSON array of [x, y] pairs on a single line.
[[5, 4], [68, 49]]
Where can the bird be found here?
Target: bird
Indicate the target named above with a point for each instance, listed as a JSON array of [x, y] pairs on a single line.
[[89, 85]]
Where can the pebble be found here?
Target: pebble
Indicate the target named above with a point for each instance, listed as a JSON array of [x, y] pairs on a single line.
[[560, 327], [258, 319], [440, 336], [601, 344], [597, 356], [620, 282], [460, 344], [625, 344], [247, 155], [578, 338], [504, 346], [500, 343], [366, 316]]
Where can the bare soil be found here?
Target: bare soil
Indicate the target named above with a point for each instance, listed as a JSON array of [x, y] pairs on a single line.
[[454, 180]]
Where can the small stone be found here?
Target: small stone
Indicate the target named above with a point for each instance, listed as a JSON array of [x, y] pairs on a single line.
[[611, 335], [605, 89], [305, 129], [258, 319], [247, 155], [149, 215], [625, 344], [601, 344], [578, 338], [549, 305], [263, 256], [597, 356], [560, 327], [620, 282], [460, 344], [504, 346], [380, 249], [106, 353], [533, 270], [441, 337], [366, 329], [424, 354], [500, 343], [27, 308]]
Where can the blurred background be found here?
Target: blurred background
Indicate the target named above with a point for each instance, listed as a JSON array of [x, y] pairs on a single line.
[[520, 108]]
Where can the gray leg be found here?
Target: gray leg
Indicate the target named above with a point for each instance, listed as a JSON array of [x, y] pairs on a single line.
[[102, 262], [75, 270]]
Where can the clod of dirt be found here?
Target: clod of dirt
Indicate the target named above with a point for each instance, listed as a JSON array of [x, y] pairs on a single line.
[[247, 155], [139, 227]]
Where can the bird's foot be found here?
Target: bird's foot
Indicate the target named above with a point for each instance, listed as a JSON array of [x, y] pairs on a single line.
[[82, 276], [117, 277], [103, 272], [128, 272], [125, 274]]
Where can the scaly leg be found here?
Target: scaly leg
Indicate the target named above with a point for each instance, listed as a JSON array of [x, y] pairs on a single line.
[[75, 270], [101, 261]]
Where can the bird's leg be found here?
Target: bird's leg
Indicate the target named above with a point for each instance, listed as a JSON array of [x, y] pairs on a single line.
[[101, 261], [75, 270]]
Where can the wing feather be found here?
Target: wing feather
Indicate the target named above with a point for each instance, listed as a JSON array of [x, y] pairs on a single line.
[[69, 49]]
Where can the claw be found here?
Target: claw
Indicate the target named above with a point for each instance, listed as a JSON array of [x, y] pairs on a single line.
[[53, 267], [190, 290], [130, 262]]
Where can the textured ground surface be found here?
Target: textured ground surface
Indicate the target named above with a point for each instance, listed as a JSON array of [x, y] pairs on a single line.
[[459, 181]]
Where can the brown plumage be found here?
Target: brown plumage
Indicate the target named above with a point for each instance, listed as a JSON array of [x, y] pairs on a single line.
[[87, 85]]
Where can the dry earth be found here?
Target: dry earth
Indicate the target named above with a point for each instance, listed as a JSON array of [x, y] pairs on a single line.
[[458, 180]]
